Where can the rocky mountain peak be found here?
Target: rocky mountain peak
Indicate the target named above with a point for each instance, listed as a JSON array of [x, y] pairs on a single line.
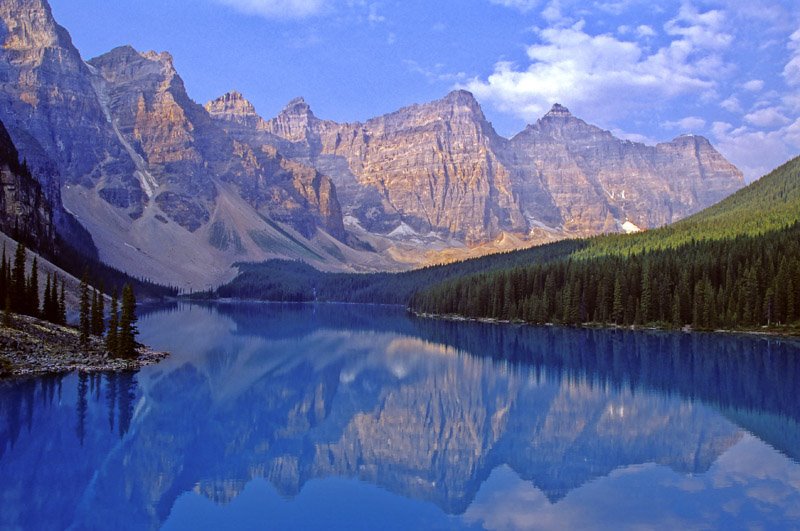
[[463, 102], [126, 63], [462, 97], [297, 106], [688, 138], [29, 25], [164, 58], [294, 123], [558, 111], [233, 107]]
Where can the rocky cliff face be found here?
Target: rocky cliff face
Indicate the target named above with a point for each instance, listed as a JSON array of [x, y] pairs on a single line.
[[185, 155], [432, 167], [25, 214], [49, 108], [441, 168], [145, 169], [165, 192], [596, 182]]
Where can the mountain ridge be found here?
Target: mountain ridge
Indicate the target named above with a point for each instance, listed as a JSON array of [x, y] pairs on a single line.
[[178, 192]]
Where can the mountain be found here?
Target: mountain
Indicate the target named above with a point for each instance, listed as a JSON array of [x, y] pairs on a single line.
[[166, 189], [734, 265], [439, 173], [165, 193], [597, 182], [768, 204], [24, 211]]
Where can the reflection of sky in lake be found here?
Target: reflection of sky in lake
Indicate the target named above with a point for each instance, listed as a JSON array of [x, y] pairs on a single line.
[[361, 417], [750, 485]]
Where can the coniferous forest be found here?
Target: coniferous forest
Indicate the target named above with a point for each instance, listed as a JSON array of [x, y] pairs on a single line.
[[21, 295], [736, 264], [744, 281]]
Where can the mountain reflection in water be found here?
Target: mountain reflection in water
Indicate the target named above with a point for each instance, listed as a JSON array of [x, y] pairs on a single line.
[[465, 420]]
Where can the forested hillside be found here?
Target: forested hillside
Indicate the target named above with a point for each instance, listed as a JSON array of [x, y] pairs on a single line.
[[283, 280], [743, 281], [772, 202], [734, 264]]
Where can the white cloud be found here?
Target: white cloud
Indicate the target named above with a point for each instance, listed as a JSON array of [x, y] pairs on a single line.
[[700, 29], [590, 72], [278, 8], [754, 85], [756, 152], [731, 104], [552, 13], [615, 8], [644, 31], [767, 118], [522, 5], [791, 71], [688, 124]]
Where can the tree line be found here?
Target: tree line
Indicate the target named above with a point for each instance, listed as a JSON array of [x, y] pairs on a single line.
[[746, 281], [293, 281], [20, 293]]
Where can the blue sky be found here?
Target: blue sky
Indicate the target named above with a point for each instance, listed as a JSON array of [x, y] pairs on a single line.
[[726, 69]]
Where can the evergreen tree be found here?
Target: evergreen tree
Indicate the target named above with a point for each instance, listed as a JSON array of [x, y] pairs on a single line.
[[98, 312], [47, 305], [62, 306], [18, 280], [54, 308], [112, 345], [85, 317], [619, 310], [646, 300], [33, 289], [127, 324]]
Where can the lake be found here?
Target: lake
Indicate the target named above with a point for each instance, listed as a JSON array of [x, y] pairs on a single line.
[[271, 416]]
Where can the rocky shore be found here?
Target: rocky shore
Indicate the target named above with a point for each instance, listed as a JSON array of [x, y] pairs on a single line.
[[31, 346]]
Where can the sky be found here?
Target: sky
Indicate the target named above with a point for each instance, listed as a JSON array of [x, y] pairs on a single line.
[[647, 71]]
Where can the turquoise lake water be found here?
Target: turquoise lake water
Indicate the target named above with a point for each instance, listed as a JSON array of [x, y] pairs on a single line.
[[270, 416]]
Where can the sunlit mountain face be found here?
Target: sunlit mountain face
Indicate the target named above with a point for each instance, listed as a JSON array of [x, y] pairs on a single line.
[[359, 412]]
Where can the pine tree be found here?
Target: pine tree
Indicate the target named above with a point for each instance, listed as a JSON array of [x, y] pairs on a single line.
[[127, 324], [33, 289], [112, 345], [62, 306], [94, 314], [54, 313], [618, 309], [18, 280], [646, 300], [47, 305], [85, 318]]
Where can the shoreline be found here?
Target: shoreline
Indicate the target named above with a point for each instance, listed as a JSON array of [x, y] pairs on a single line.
[[32, 347], [768, 333]]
